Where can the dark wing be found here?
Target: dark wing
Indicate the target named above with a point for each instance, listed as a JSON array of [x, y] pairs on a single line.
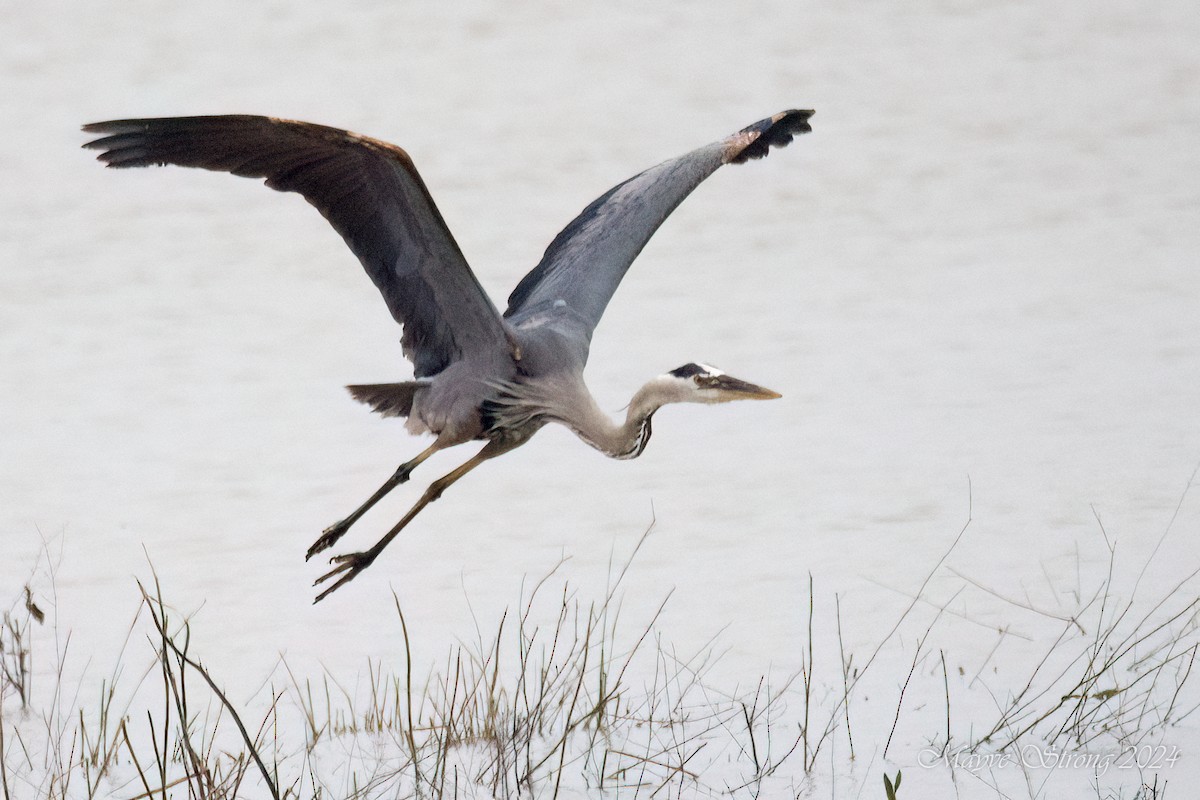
[[584, 264], [367, 189]]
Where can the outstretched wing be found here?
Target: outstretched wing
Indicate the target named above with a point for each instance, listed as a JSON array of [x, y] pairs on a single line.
[[367, 189], [584, 264]]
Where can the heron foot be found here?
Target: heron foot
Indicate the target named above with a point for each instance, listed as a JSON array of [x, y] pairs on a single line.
[[348, 566], [329, 537]]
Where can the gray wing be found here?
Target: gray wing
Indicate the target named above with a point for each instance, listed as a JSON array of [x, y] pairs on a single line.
[[367, 189], [585, 263]]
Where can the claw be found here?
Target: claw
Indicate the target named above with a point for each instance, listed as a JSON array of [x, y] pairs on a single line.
[[328, 538], [351, 564]]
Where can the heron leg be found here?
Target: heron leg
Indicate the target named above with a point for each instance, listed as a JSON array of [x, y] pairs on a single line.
[[351, 564], [337, 530]]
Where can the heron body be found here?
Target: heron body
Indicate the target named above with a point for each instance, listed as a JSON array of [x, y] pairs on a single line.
[[478, 374]]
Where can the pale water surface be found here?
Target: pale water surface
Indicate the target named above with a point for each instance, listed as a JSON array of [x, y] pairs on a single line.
[[975, 284]]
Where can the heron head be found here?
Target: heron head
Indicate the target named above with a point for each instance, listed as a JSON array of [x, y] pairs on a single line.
[[704, 383]]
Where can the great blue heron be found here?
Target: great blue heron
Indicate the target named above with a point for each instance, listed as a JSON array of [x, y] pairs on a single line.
[[477, 374]]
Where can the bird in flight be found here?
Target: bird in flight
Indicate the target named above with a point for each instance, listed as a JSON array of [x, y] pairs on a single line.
[[477, 374]]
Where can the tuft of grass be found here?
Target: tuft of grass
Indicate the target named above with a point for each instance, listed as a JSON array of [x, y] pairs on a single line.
[[547, 700], [1122, 683]]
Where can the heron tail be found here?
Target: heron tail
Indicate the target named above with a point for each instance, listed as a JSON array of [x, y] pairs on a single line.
[[388, 399]]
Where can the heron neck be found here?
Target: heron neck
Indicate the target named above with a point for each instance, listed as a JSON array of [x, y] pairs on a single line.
[[622, 440]]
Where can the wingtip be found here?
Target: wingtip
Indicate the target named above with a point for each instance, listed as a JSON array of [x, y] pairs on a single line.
[[115, 126], [778, 130], [109, 132], [93, 128], [121, 142]]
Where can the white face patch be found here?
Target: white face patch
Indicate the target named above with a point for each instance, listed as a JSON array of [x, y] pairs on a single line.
[[710, 369]]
